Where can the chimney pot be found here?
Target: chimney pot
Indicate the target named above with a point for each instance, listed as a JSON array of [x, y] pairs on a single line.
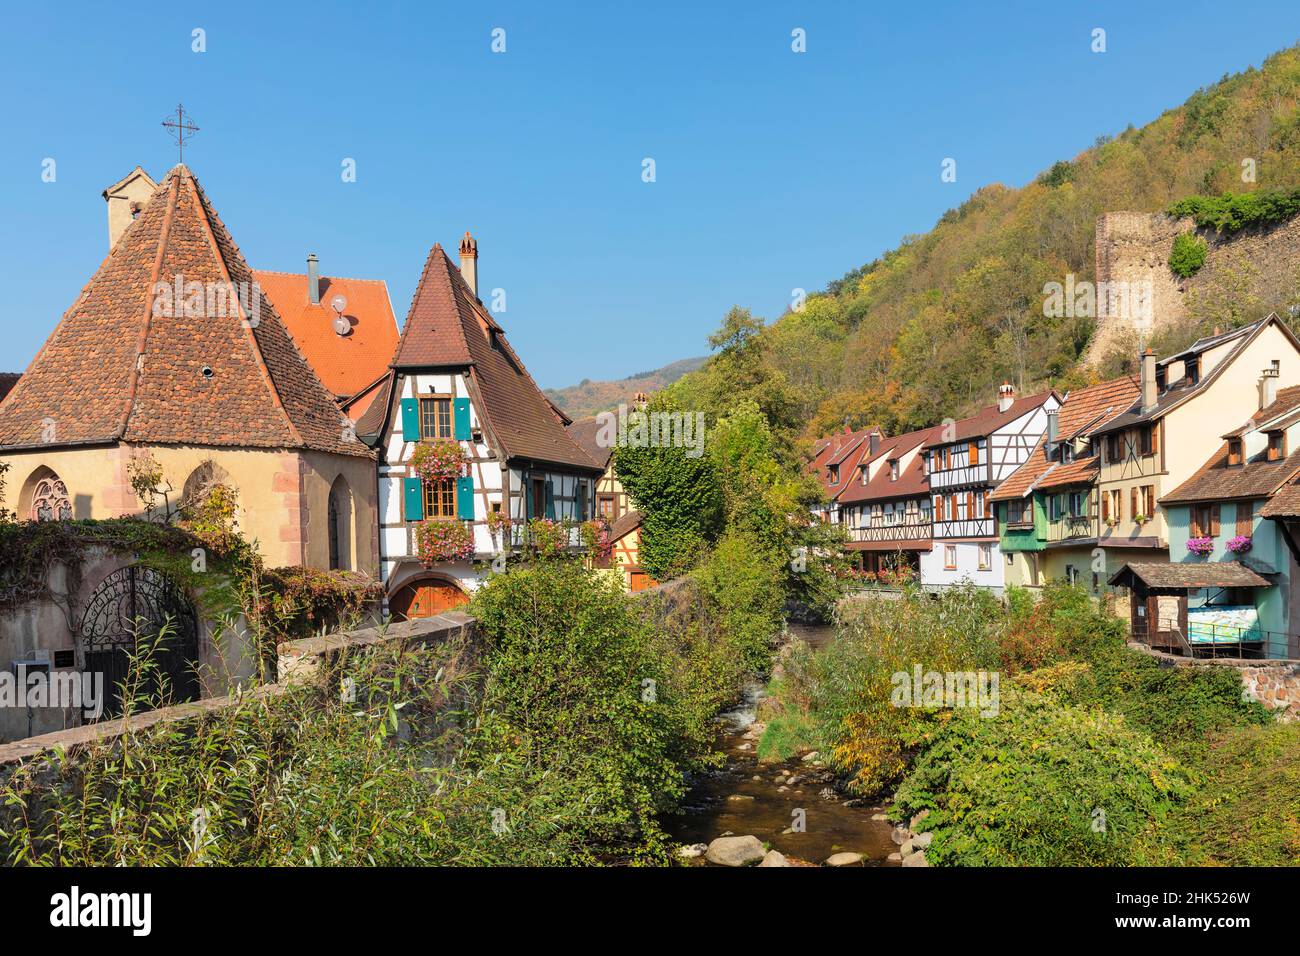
[[313, 279], [1268, 384], [469, 262], [1149, 392], [1006, 396]]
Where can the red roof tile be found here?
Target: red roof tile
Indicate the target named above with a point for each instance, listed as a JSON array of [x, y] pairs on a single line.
[[988, 420], [113, 370], [1082, 411], [912, 481], [346, 364]]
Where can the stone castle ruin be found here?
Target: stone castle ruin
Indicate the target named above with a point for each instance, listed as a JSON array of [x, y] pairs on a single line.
[[1257, 268]]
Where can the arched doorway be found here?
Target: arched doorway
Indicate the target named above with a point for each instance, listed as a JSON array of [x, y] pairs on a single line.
[[45, 497], [340, 525], [125, 615], [425, 597]]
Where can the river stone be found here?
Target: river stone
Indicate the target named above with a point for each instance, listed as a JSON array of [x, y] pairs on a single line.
[[810, 756], [922, 840], [878, 817], [895, 858], [774, 858], [845, 859], [907, 848], [899, 835], [740, 798], [735, 851], [916, 859], [691, 851]]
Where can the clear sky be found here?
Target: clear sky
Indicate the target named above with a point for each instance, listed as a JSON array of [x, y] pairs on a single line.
[[774, 169]]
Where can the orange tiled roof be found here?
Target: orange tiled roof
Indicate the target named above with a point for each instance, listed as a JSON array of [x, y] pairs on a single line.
[[912, 481], [988, 420], [1082, 411], [346, 364], [113, 370]]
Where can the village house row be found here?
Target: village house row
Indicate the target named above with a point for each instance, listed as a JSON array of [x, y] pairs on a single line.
[[1176, 492], [413, 456]]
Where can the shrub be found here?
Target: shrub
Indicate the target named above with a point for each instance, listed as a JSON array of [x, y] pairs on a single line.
[[574, 686], [1188, 254], [743, 581], [1233, 212], [1040, 784]]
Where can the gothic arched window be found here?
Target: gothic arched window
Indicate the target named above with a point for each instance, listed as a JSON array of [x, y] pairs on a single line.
[[50, 500]]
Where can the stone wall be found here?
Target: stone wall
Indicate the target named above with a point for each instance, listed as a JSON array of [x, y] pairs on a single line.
[[1134, 247], [1275, 684], [298, 661]]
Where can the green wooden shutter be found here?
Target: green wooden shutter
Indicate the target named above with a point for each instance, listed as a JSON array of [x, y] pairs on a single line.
[[528, 498], [461, 407], [550, 500], [465, 498], [413, 493], [410, 419]]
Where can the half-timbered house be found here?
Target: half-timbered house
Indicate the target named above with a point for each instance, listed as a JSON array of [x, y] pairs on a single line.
[[457, 393], [615, 507], [885, 505], [1047, 510], [1186, 403], [837, 462], [964, 463]]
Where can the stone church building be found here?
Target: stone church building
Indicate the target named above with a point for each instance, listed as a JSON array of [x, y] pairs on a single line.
[[173, 350]]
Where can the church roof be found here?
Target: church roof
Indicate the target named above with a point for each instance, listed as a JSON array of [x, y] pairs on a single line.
[[447, 327], [129, 362]]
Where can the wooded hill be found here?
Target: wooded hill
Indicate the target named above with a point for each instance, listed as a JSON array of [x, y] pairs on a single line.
[[930, 328]]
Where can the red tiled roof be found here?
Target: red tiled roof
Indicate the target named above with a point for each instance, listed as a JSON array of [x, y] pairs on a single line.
[[448, 327], [624, 525], [584, 432], [348, 363], [988, 420], [1082, 411], [1285, 503], [112, 370], [846, 450], [912, 481]]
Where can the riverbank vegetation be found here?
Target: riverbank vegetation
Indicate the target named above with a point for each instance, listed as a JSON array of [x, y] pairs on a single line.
[[1089, 752]]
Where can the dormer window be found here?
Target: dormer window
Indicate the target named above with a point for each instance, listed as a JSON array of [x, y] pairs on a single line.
[[833, 473], [1276, 445], [1192, 369], [863, 473], [1234, 451], [893, 469]]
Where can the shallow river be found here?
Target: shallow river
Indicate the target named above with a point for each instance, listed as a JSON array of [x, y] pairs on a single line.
[[730, 800]]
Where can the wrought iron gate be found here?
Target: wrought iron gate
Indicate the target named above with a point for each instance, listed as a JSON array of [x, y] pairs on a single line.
[[130, 608]]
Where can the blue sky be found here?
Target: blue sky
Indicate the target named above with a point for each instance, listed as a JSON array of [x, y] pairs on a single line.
[[774, 170]]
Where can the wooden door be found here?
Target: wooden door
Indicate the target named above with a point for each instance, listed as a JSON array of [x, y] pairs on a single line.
[[638, 580], [425, 599]]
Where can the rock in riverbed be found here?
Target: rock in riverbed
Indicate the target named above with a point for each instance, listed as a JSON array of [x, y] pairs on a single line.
[[774, 858], [922, 840], [735, 851], [900, 835], [692, 851], [916, 859], [845, 859]]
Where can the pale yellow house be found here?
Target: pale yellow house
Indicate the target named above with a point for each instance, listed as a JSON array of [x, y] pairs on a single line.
[[1187, 403], [614, 505], [172, 352]]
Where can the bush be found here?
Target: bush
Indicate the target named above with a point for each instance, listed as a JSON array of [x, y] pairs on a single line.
[[1233, 212], [744, 583], [576, 688], [1040, 785], [1188, 254]]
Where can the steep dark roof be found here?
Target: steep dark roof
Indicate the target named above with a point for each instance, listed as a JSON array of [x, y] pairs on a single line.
[[112, 370], [447, 327], [584, 432]]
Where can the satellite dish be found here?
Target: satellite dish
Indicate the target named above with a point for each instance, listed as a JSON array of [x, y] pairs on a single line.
[[342, 326], [338, 304]]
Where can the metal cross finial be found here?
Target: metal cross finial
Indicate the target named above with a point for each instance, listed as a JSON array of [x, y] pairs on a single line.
[[180, 129]]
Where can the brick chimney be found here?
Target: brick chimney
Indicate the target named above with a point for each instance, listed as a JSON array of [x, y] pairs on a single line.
[[1006, 396], [469, 262], [1149, 391], [313, 279], [1268, 384]]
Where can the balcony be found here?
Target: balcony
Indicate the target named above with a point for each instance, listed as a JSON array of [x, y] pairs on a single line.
[[1071, 527], [963, 476], [965, 528], [915, 529]]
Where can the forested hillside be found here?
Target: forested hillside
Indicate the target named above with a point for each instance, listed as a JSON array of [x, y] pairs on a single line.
[[589, 397], [932, 327]]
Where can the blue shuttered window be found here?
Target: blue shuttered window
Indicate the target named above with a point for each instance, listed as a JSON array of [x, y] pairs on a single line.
[[465, 498], [413, 498], [410, 419], [550, 500], [461, 406]]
